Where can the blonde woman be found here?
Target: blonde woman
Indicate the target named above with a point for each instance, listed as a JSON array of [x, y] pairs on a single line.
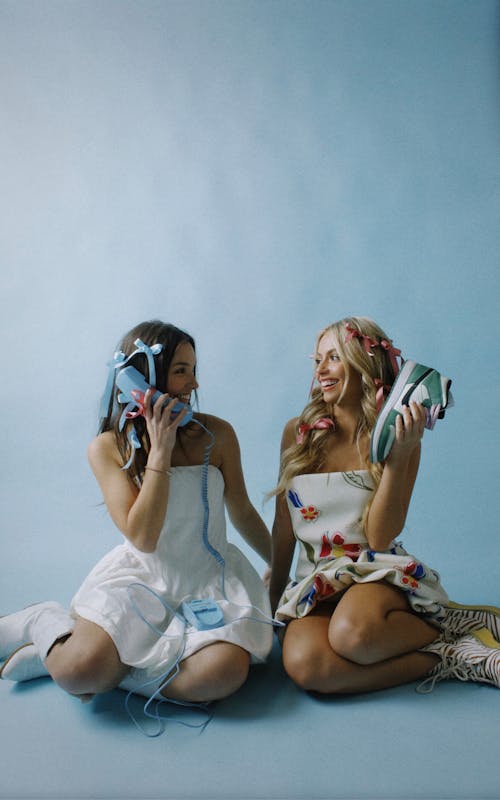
[[363, 614]]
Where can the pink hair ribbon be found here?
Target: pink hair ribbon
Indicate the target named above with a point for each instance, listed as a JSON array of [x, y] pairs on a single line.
[[369, 343], [393, 353], [321, 424]]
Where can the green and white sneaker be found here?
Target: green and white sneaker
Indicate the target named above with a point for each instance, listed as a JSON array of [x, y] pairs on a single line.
[[414, 382]]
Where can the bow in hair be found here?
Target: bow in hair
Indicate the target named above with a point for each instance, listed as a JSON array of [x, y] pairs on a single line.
[[321, 424], [393, 353], [369, 343]]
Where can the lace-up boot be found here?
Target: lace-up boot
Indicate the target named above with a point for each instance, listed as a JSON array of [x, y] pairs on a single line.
[[474, 657]]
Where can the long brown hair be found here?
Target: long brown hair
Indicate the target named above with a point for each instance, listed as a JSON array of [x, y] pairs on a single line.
[[152, 332]]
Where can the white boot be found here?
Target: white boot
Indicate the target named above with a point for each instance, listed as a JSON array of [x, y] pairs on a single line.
[[43, 624], [24, 664]]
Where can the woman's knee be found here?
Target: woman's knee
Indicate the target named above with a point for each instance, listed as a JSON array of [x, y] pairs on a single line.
[[87, 670], [211, 674], [232, 672], [354, 639], [304, 660]]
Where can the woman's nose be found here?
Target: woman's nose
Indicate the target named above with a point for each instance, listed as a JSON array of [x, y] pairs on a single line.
[[320, 367]]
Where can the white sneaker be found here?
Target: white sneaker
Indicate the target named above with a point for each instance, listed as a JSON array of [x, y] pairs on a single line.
[[42, 623], [474, 657], [24, 664]]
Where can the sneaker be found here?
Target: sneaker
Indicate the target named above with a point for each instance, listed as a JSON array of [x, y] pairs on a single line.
[[461, 619], [475, 657], [414, 382]]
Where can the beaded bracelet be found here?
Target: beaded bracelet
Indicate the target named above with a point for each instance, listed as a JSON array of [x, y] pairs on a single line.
[[161, 471]]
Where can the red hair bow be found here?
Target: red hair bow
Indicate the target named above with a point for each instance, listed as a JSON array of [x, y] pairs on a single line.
[[393, 353], [321, 424], [369, 343]]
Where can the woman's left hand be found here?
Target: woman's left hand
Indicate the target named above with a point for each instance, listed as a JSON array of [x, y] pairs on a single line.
[[410, 425]]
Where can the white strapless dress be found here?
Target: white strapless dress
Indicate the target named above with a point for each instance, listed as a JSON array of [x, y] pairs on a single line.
[[129, 593]]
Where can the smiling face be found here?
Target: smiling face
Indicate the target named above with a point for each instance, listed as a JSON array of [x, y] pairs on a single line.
[[181, 378], [338, 385]]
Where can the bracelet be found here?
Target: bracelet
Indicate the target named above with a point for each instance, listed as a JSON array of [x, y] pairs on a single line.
[[161, 471]]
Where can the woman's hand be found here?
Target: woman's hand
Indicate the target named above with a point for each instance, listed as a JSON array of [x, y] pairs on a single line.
[[410, 424], [162, 428], [387, 514]]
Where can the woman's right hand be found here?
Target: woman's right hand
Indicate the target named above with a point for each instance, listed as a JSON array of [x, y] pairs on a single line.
[[162, 428]]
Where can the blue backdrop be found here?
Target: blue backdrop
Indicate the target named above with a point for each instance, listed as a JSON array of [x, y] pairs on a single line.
[[249, 171]]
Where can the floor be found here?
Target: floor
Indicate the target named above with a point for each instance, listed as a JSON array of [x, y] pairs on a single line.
[[268, 741]]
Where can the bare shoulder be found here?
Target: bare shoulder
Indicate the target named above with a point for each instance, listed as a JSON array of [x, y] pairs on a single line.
[[222, 430], [102, 450], [289, 436]]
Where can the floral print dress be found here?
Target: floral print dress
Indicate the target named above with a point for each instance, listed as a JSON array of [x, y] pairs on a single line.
[[326, 511]]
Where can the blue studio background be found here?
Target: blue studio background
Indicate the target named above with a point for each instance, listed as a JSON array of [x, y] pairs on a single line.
[[249, 171]]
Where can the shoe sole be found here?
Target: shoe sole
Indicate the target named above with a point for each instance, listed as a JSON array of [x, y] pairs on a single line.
[[11, 656], [486, 637]]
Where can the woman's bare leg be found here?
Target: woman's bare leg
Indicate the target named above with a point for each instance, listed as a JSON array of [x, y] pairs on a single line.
[[86, 662], [210, 674], [313, 663], [373, 622]]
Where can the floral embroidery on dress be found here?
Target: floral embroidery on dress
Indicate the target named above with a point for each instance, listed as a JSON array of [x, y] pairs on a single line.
[[412, 571], [335, 547], [309, 513], [319, 590], [334, 554]]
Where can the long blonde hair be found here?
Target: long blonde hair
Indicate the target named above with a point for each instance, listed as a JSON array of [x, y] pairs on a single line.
[[363, 347]]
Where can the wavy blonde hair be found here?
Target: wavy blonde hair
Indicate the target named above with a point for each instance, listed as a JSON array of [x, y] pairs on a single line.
[[374, 367]]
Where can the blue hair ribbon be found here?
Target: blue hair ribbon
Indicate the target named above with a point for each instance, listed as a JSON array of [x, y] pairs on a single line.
[[119, 361], [135, 444]]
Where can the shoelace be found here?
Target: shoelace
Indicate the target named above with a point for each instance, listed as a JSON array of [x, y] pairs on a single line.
[[441, 673]]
